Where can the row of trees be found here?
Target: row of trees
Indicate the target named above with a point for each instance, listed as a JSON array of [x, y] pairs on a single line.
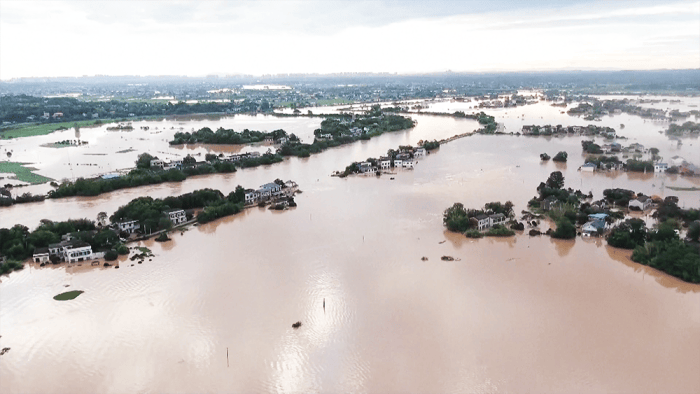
[[227, 136]]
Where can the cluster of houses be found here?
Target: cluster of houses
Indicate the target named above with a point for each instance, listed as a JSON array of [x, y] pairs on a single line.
[[176, 216], [353, 132], [69, 250], [405, 159], [73, 250], [169, 165], [241, 156], [573, 130], [684, 167], [270, 191]]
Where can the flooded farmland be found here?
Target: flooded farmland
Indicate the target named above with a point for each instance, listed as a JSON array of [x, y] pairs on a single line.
[[522, 314]]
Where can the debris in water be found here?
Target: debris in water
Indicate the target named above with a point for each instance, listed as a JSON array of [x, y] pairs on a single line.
[[296, 325], [447, 258], [424, 258], [442, 242], [4, 350]]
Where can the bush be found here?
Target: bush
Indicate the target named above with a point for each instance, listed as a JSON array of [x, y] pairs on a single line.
[[500, 231], [671, 256], [162, 237], [561, 157], [565, 230], [473, 234], [544, 157], [111, 255], [122, 249]]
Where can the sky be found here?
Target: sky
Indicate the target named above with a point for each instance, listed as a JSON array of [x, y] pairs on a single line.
[[197, 38]]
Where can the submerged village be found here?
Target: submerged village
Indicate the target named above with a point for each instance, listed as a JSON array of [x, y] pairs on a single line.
[[325, 216], [564, 213]]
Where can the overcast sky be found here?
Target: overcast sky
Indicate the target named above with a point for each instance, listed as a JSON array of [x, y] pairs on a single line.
[[195, 38]]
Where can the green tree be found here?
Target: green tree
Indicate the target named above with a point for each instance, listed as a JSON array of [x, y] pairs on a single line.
[[188, 160], [144, 160], [565, 230], [455, 218], [560, 157], [694, 232], [555, 180]]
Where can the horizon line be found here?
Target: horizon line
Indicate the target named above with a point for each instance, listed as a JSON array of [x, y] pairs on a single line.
[[351, 73]]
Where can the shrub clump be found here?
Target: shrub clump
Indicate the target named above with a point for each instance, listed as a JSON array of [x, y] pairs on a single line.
[[111, 255], [500, 231], [473, 233], [565, 229], [122, 249]]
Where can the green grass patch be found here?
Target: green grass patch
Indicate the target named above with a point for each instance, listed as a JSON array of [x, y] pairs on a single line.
[[22, 173], [46, 128], [144, 249], [69, 295]]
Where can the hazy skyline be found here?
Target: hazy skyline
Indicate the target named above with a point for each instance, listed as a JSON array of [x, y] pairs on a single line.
[[75, 38]]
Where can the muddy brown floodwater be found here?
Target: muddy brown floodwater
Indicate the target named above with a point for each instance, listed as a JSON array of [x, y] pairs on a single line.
[[508, 315]]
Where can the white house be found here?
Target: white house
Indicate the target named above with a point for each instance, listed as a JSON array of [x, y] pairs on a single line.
[[484, 222], [660, 167], [78, 251], [251, 196], [398, 163], [588, 167], [71, 251], [128, 226], [408, 163], [419, 152], [176, 216], [41, 255], [157, 163], [495, 219], [385, 163], [270, 189], [642, 203]]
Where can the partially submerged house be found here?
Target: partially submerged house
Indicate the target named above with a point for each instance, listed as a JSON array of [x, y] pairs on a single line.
[[71, 251], [176, 215], [660, 167], [595, 224], [588, 167], [641, 203]]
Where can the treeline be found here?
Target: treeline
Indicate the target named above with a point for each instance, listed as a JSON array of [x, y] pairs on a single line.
[[23, 108], [225, 136], [487, 121], [7, 200], [679, 130], [142, 176]]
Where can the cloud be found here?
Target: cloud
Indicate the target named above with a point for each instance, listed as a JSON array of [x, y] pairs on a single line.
[[256, 37]]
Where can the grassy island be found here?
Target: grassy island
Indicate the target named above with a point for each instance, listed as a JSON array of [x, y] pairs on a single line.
[[69, 295]]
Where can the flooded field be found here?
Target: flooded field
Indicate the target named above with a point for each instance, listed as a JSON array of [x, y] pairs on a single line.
[[509, 315]]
